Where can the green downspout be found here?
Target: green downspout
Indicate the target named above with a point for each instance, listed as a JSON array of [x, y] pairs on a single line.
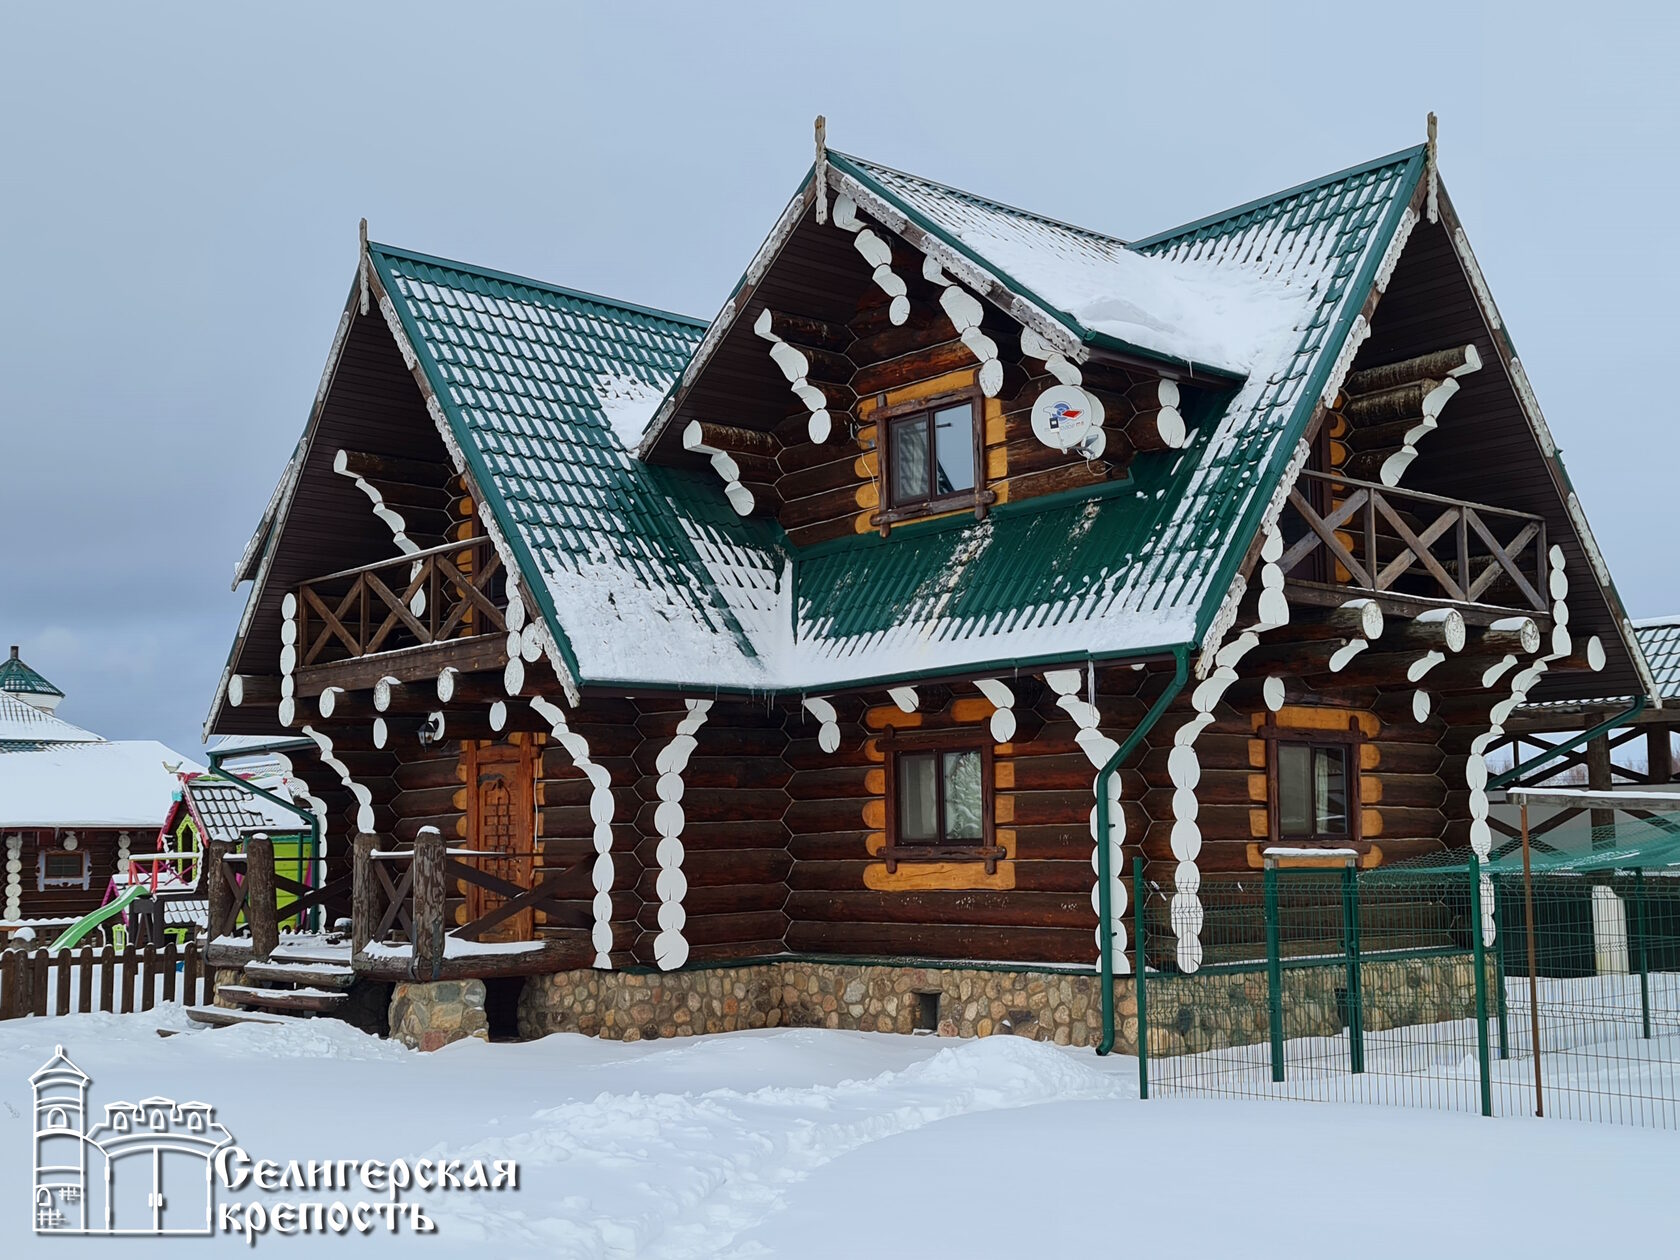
[[307, 816], [1105, 869], [1569, 745]]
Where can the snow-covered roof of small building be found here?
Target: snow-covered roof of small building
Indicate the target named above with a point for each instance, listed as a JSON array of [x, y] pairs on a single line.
[[19, 678], [225, 809], [106, 783], [24, 727]]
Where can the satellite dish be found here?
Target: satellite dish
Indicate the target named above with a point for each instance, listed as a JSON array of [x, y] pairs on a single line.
[[1064, 416]]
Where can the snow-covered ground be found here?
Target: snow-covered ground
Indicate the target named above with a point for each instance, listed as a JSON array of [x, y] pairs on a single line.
[[813, 1144]]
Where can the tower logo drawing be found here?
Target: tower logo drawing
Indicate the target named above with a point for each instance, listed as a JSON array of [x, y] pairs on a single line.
[[145, 1169]]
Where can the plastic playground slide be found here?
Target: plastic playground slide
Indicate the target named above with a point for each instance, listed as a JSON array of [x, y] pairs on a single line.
[[72, 935]]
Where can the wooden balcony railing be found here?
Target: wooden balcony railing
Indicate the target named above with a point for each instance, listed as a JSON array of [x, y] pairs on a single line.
[[1402, 542], [450, 592]]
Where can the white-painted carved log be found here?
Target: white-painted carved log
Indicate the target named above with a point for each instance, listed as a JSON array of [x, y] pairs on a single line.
[[1098, 748], [1156, 424], [14, 876], [795, 366], [739, 496], [287, 710], [905, 698], [1184, 764], [1002, 724], [363, 795], [344, 466], [828, 731], [1442, 629], [384, 692], [965, 313], [601, 810], [498, 715], [670, 947], [878, 254], [1394, 407], [1055, 362]]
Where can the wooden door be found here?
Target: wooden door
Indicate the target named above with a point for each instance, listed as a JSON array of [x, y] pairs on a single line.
[[501, 820]]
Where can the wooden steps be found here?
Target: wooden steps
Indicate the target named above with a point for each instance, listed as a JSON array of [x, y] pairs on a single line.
[[309, 1000], [223, 1017], [320, 975], [296, 981]]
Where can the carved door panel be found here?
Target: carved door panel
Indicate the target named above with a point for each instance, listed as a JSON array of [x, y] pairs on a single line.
[[501, 821]]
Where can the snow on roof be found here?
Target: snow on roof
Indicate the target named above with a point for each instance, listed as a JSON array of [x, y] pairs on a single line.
[[20, 720], [645, 574], [1200, 312], [122, 783]]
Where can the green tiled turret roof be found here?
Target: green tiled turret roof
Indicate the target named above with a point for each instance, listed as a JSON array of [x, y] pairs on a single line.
[[20, 679]]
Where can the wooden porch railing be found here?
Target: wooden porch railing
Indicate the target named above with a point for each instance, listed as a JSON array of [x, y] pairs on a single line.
[[455, 591], [406, 893], [245, 884], [1403, 542]]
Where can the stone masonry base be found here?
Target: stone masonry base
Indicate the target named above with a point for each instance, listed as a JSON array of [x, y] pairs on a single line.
[[1187, 1014], [427, 1016]]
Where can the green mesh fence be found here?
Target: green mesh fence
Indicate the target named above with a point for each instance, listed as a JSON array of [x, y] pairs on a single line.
[[1375, 986]]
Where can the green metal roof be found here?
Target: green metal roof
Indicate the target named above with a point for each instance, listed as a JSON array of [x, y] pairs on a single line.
[[635, 567], [1659, 639], [1148, 566], [19, 679], [649, 578]]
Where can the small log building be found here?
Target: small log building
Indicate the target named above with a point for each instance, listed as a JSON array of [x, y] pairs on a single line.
[[832, 662]]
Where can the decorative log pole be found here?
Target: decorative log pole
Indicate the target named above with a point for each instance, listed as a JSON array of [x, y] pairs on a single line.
[[260, 909], [430, 892], [364, 897], [221, 896]]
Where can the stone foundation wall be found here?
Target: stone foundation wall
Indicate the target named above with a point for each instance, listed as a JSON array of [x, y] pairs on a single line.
[[428, 1016], [1187, 1014]]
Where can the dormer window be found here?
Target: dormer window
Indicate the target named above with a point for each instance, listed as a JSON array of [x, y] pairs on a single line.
[[930, 458]]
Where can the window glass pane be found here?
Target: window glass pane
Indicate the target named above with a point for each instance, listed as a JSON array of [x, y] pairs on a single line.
[[1294, 764], [64, 865], [917, 786], [953, 440], [964, 797], [909, 458], [1330, 791]]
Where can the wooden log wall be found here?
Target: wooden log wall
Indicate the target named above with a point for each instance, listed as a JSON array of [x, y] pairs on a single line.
[[833, 489], [1036, 907], [734, 852]]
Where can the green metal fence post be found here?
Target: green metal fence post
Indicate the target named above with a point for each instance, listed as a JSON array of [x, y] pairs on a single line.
[[1499, 887], [1479, 953], [1140, 941], [1639, 946], [1350, 947], [1274, 971]]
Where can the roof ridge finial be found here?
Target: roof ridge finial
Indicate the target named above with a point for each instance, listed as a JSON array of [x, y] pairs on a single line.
[[14, 651], [821, 127], [362, 266], [1432, 163]]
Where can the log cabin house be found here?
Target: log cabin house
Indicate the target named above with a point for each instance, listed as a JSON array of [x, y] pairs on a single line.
[[73, 805], [831, 663]]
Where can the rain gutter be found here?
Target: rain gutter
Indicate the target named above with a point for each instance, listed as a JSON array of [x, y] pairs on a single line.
[[1105, 865]]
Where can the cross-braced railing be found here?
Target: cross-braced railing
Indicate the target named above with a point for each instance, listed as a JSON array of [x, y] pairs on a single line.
[[410, 894], [455, 591], [1403, 542]]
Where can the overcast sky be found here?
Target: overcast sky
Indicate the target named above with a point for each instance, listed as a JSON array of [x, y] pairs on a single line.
[[180, 185]]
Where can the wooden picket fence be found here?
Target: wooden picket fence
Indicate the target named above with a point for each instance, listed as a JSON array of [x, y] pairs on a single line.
[[45, 982]]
